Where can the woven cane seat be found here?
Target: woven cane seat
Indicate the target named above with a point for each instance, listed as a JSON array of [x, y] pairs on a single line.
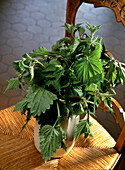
[[19, 152]]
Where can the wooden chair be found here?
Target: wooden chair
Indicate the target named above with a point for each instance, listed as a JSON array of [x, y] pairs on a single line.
[[19, 152], [118, 6], [119, 9]]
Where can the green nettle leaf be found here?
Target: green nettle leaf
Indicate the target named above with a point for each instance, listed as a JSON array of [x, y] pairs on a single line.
[[74, 45], [39, 99], [27, 79], [93, 29], [50, 139], [66, 39], [53, 73], [83, 127], [12, 84], [64, 146], [56, 46], [111, 72], [104, 56], [52, 67], [81, 31], [91, 87], [55, 83], [121, 74], [89, 69], [26, 56], [61, 42], [21, 106], [96, 54], [29, 115], [21, 65], [70, 28], [16, 65], [108, 103], [79, 91], [78, 108], [77, 26], [42, 52]]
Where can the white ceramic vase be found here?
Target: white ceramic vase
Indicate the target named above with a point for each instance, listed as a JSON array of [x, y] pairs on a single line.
[[69, 126]]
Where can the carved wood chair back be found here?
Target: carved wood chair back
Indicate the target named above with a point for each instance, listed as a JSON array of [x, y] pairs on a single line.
[[118, 6]]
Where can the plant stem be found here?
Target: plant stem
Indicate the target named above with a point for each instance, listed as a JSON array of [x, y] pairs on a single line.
[[23, 89], [40, 63], [55, 122], [95, 102], [64, 60], [58, 117], [87, 110], [75, 97], [36, 61], [58, 110], [88, 117]]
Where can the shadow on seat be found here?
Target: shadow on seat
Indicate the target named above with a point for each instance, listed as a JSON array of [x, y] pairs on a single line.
[[19, 152]]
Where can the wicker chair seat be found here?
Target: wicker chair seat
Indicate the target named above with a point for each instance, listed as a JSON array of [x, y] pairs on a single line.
[[19, 152]]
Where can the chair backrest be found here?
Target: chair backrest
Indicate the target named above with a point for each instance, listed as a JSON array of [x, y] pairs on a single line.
[[120, 119], [118, 6]]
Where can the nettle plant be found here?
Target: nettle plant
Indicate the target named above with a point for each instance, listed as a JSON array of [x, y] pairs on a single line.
[[71, 79]]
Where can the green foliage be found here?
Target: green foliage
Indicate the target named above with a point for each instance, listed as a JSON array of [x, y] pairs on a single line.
[[83, 127], [71, 79], [42, 52], [29, 115], [39, 99], [21, 106], [81, 31], [12, 84], [89, 69], [121, 74], [70, 28], [50, 139], [74, 45], [53, 73], [59, 43], [111, 72], [93, 29]]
